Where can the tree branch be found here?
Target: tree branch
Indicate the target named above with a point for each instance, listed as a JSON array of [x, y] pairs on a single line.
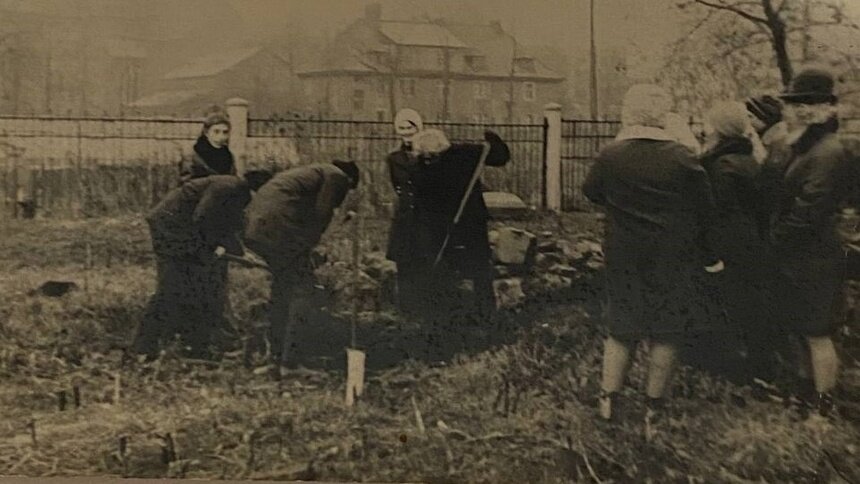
[[733, 9]]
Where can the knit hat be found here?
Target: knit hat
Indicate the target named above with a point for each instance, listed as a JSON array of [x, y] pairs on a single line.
[[767, 109], [729, 119], [408, 122], [812, 85], [351, 170], [430, 142]]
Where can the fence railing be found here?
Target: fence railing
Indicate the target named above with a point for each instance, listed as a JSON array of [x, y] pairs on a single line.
[[73, 167]]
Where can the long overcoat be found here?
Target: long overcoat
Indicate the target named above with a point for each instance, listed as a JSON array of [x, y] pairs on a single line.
[[657, 197]]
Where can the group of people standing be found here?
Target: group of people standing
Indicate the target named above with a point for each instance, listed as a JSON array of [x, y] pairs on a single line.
[[438, 237], [740, 232]]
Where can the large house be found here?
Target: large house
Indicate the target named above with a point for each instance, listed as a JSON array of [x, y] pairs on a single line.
[[445, 70]]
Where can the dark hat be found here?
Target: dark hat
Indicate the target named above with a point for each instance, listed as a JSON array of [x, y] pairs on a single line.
[[350, 168], [811, 86], [767, 109]]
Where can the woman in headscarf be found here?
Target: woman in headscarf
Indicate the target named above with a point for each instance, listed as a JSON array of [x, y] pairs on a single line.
[[211, 154], [736, 232], [813, 172], [656, 195], [402, 165]]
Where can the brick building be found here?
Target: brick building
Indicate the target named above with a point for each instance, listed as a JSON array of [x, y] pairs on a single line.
[[445, 70]]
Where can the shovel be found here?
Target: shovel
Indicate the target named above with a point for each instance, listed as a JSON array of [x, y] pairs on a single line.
[[355, 358], [475, 177]]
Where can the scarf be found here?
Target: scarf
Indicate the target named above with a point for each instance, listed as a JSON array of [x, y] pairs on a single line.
[[219, 160], [813, 134]]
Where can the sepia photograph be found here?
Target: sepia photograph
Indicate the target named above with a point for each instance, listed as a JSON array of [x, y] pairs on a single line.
[[430, 241]]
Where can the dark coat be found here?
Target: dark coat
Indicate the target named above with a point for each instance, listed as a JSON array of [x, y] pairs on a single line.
[[809, 179], [205, 160], [195, 218], [191, 290], [291, 211], [656, 195], [736, 234], [428, 196], [737, 229]]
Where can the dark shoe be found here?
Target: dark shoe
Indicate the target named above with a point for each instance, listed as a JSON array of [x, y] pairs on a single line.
[[825, 405]]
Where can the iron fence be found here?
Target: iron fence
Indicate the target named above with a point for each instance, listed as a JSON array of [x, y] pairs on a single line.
[[369, 142], [581, 140]]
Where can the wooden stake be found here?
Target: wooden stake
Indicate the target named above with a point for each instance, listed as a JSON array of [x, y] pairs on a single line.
[[354, 375], [76, 395], [117, 388], [418, 419], [61, 400], [31, 425]]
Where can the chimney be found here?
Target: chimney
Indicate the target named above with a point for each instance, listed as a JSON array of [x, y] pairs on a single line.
[[373, 12]]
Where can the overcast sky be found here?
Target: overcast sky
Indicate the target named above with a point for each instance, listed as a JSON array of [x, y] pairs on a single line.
[[648, 24]]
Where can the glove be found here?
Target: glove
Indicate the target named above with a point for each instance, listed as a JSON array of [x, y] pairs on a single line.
[[767, 109], [491, 137]]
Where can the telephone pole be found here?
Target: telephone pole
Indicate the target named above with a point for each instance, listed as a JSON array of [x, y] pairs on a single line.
[[593, 65]]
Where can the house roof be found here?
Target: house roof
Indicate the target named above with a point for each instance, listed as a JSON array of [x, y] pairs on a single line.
[[167, 98], [495, 46], [419, 34], [212, 64]]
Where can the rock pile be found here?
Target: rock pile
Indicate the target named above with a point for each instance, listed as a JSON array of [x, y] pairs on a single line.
[[525, 266]]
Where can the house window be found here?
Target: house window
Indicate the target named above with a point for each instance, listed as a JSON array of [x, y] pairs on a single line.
[[381, 87], [525, 64], [476, 62], [440, 87], [381, 115], [529, 91], [358, 99], [482, 90], [407, 87]]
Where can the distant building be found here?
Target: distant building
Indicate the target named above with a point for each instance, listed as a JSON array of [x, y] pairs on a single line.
[[445, 70], [257, 74], [95, 56]]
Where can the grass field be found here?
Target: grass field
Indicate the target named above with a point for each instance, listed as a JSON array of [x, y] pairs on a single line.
[[515, 409]]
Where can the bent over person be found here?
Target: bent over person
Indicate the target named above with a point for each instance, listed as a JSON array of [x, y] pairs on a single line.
[[187, 228], [656, 196], [285, 221]]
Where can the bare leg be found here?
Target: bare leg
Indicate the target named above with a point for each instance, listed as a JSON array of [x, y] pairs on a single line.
[[616, 363], [660, 368], [825, 363]]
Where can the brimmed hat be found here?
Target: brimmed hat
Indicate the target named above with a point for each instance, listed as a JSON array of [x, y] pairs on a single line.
[[811, 86], [351, 170]]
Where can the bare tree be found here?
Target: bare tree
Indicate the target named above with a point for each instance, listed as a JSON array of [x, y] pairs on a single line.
[[774, 21]]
